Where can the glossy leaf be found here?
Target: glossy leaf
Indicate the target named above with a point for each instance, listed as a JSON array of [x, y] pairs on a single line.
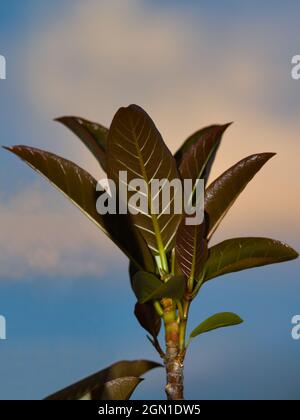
[[220, 320], [116, 390], [145, 312], [80, 187], [136, 146], [144, 284], [242, 253], [190, 141], [148, 287], [95, 385], [191, 248], [222, 193], [197, 154], [93, 135], [148, 318]]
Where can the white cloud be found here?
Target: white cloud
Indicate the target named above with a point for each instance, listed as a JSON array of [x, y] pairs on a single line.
[[42, 235]]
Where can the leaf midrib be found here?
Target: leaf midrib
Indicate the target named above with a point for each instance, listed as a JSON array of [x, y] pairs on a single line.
[[156, 228]]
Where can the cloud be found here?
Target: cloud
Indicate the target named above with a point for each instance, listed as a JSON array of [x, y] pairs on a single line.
[[43, 236], [187, 73], [122, 50]]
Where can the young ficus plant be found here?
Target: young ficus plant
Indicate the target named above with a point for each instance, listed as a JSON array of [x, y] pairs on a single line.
[[170, 261]]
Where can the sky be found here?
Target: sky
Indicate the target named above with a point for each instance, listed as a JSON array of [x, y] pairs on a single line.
[[189, 64]]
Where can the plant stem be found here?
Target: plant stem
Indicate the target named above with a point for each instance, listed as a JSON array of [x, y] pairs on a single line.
[[158, 308], [183, 325], [180, 309], [198, 286], [173, 357], [182, 331], [173, 260]]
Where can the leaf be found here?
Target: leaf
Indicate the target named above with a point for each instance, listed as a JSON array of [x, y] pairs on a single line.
[[221, 320], [136, 146], [242, 253], [191, 248], [93, 136], [222, 193], [190, 141], [96, 384], [197, 154], [148, 287], [145, 312], [144, 284], [118, 389], [174, 288], [148, 318], [80, 187]]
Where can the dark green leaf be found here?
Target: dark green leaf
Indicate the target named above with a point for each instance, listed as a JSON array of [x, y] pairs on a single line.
[[191, 248], [242, 253], [223, 319], [116, 390], [80, 187], [145, 312], [93, 135], [148, 287], [222, 193], [95, 384], [148, 318], [133, 269], [144, 284], [136, 146], [197, 154]]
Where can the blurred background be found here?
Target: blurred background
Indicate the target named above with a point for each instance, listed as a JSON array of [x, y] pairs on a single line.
[[189, 64]]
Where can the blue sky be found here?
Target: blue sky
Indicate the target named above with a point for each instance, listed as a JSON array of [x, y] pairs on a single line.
[[189, 65]]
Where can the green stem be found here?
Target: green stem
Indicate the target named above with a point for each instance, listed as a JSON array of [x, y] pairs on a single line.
[[158, 308], [183, 325], [180, 309], [198, 286], [190, 284], [182, 333], [173, 260], [162, 262], [188, 343]]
